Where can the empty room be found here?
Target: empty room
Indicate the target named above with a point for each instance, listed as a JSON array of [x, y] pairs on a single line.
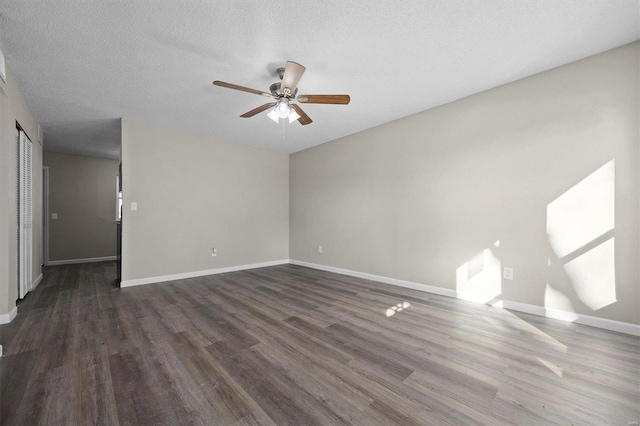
[[320, 212]]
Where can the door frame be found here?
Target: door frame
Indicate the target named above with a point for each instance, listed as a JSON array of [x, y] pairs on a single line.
[[45, 215]]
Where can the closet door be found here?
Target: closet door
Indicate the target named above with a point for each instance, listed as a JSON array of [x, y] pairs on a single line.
[[25, 215]]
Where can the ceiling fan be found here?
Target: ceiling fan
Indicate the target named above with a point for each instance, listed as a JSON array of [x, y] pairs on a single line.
[[284, 94]]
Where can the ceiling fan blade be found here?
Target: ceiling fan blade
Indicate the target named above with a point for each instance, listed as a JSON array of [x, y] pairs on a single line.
[[304, 118], [292, 74], [258, 110], [324, 99], [241, 88]]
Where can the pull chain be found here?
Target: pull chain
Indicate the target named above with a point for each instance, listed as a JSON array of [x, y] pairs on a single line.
[[283, 128]]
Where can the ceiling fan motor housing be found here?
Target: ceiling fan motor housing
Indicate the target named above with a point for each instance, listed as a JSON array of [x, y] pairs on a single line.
[[275, 90]]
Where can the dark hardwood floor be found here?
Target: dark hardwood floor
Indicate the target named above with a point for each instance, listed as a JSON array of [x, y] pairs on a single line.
[[290, 345]]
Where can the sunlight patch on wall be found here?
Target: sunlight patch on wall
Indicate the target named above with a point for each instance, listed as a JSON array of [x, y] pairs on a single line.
[[580, 226], [593, 275], [479, 279], [554, 299], [584, 212]]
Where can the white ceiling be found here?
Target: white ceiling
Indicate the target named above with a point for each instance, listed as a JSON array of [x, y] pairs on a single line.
[[84, 64]]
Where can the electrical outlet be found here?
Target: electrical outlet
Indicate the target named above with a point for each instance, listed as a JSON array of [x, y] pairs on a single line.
[[214, 252], [507, 273], [319, 249]]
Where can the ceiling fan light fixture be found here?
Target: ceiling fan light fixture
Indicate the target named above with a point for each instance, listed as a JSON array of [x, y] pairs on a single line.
[[293, 115], [283, 109], [272, 115]]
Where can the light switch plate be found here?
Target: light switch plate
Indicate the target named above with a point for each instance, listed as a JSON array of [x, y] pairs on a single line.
[[134, 206], [54, 216]]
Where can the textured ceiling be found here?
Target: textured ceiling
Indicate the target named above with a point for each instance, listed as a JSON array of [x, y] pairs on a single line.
[[84, 64]]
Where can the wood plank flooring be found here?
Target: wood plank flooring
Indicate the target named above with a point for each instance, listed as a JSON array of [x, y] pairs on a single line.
[[289, 345]]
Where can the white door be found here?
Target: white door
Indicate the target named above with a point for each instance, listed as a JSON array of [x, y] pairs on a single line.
[[25, 216]]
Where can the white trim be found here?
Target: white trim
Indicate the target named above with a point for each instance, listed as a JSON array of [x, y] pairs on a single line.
[[7, 318], [45, 215], [194, 274], [85, 260], [118, 200], [3, 72], [36, 282], [607, 324], [393, 281]]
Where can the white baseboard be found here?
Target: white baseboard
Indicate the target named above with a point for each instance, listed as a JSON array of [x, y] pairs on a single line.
[[607, 324], [393, 281], [8, 317], [36, 282], [85, 260], [194, 274]]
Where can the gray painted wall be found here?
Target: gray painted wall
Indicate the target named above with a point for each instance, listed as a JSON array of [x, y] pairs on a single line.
[[540, 175], [194, 193], [16, 109], [82, 192]]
